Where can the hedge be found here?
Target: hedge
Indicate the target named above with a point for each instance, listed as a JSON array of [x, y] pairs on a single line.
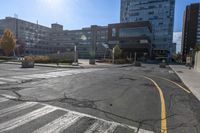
[[46, 59], [5, 58]]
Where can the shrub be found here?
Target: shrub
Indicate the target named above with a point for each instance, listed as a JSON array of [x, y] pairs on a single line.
[[117, 61], [121, 61], [5, 58], [118, 52], [47, 59], [37, 59]]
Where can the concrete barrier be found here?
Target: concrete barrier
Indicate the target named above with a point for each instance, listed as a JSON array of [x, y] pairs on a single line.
[[197, 61], [27, 64]]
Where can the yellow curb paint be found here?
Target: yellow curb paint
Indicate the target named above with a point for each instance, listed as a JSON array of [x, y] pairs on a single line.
[[163, 108], [186, 90]]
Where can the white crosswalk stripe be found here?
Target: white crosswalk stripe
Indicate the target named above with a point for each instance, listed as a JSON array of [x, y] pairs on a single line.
[[8, 79], [111, 129], [102, 127], [25, 118], [18, 79], [21, 77], [1, 83], [16, 108], [3, 100], [59, 124], [56, 125]]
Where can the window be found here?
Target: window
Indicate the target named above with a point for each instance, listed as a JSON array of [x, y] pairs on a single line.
[[114, 32], [151, 7], [134, 14], [143, 41], [150, 13], [133, 32]]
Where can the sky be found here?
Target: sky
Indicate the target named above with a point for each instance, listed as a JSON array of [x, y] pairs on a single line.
[[75, 14]]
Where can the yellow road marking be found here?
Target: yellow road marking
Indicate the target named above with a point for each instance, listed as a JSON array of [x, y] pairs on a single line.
[[163, 108], [186, 90]]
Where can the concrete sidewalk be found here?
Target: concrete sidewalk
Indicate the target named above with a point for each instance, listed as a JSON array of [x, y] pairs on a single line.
[[190, 78]]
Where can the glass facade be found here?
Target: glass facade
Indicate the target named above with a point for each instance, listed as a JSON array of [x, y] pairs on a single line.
[[114, 32], [159, 12], [133, 32], [198, 27]]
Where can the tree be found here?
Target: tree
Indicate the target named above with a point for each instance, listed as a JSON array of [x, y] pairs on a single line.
[[117, 52], [197, 48], [8, 42], [177, 57]]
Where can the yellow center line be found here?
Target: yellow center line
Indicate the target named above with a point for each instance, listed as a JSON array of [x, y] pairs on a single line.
[[163, 107], [186, 90]]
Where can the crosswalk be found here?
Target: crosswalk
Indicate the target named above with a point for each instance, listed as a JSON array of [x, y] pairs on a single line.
[[23, 78], [43, 118]]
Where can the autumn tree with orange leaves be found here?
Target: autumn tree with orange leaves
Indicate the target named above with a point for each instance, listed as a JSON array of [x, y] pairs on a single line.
[[8, 42]]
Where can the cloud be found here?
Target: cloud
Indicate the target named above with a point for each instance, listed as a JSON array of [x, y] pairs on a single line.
[[177, 38]]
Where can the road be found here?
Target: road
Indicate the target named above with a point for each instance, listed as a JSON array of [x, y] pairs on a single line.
[[125, 99]]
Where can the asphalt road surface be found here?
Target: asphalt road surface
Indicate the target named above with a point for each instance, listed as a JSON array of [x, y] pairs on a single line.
[[126, 99]]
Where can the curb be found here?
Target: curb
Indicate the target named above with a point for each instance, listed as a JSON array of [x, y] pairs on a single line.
[[72, 67], [180, 77], [184, 82], [15, 63]]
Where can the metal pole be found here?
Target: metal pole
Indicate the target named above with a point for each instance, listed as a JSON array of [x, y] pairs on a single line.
[[14, 53], [74, 53], [131, 56], [113, 55], [105, 54], [135, 56]]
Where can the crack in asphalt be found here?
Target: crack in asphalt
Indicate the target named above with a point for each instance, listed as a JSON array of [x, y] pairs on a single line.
[[188, 101], [91, 104], [127, 78]]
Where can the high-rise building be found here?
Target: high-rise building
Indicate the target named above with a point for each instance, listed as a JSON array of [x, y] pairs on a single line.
[[160, 13], [191, 29]]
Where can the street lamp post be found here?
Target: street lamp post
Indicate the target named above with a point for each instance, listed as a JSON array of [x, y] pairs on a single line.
[[58, 53], [75, 63], [113, 51], [135, 57], [75, 60]]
